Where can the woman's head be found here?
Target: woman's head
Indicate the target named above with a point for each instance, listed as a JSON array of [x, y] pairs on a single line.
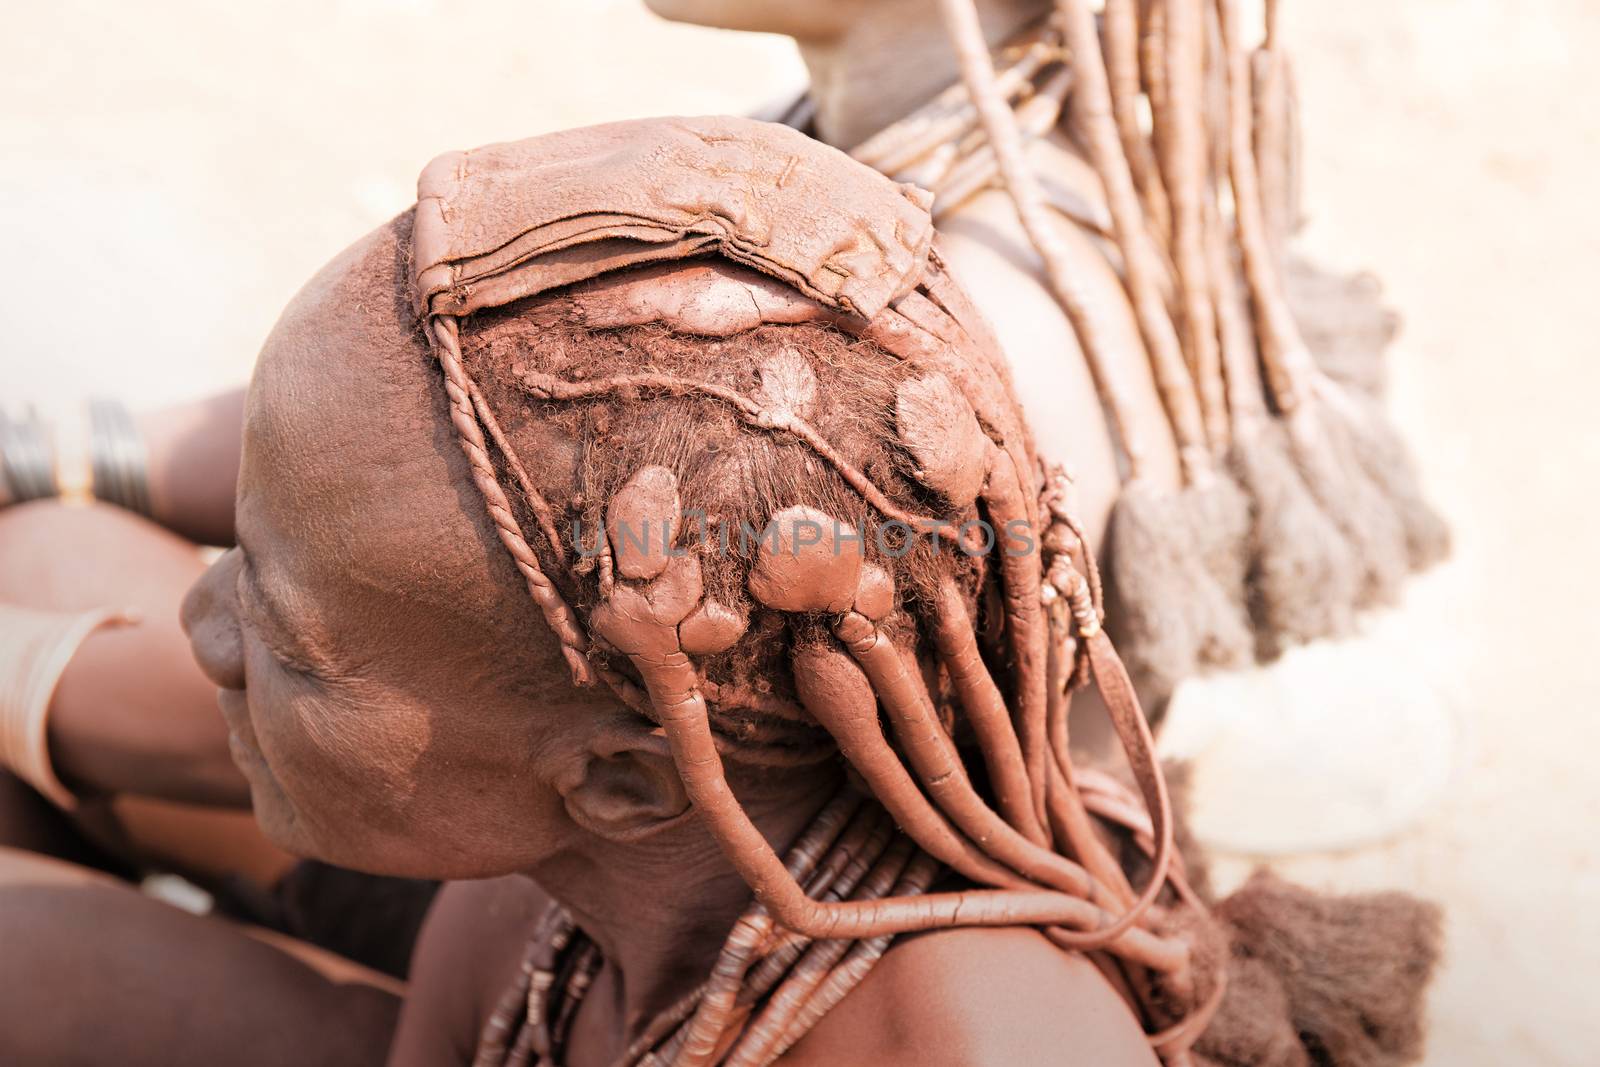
[[397, 700], [362, 632]]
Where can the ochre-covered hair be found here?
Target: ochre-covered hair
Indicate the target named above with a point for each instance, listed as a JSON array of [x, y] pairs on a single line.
[[913, 565]]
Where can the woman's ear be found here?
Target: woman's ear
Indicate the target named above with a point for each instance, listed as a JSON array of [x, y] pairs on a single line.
[[629, 786]]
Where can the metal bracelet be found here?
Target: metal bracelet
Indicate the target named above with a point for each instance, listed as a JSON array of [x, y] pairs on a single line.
[[27, 458], [118, 458]]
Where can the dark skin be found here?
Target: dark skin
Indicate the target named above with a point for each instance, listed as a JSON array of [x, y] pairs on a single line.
[[94, 973], [398, 706]]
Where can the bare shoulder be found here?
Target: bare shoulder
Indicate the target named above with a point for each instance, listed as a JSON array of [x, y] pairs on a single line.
[[970, 998], [468, 952]]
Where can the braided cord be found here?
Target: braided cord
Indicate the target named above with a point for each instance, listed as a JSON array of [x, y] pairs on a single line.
[[460, 388]]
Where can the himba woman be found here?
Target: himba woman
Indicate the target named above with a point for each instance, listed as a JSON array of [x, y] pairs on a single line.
[[645, 528], [413, 799], [1095, 202]]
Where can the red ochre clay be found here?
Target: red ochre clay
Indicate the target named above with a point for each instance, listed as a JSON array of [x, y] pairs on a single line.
[[642, 522], [809, 561], [937, 427], [710, 628]]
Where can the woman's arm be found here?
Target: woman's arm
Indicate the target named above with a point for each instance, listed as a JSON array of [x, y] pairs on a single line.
[[95, 972], [132, 712], [193, 454], [181, 462]]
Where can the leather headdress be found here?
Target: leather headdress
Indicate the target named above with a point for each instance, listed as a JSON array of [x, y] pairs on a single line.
[[511, 220]]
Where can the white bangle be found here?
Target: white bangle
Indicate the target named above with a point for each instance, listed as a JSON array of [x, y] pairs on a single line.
[[35, 648]]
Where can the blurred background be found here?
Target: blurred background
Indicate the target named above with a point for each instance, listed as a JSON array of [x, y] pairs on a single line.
[[172, 171]]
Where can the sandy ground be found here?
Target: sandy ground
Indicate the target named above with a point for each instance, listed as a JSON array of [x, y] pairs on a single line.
[[173, 170]]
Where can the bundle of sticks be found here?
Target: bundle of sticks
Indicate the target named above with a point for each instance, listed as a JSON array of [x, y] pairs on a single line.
[[1299, 504]]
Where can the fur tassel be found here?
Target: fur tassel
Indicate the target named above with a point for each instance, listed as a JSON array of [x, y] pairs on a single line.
[[1353, 970]]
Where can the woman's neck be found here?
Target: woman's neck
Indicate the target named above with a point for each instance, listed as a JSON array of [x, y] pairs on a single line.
[[891, 59], [660, 911]]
